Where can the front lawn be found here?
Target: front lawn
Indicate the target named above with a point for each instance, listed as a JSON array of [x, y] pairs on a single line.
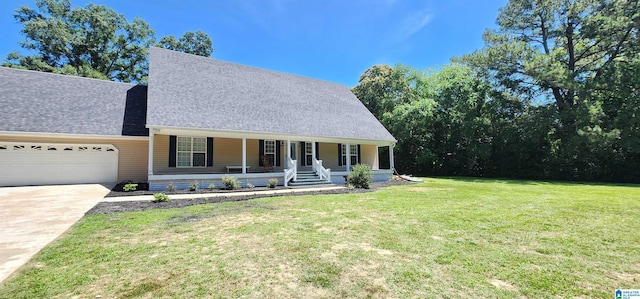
[[444, 238]]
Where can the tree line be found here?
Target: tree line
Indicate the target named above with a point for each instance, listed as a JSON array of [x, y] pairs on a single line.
[[93, 41], [554, 94]]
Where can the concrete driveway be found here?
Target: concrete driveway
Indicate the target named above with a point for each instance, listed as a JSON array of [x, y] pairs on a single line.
[[31, 217]]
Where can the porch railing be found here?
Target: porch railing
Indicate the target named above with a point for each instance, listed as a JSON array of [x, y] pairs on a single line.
[[323, 173], [291, 172]]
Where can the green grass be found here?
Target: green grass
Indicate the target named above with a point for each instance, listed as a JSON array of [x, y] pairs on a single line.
[[445, 238]]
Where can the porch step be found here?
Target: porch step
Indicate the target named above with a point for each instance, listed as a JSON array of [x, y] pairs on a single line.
[[314, 183], [308, 178]]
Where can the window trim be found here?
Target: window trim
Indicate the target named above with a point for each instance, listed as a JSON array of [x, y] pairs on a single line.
[[267, 153], [191, 152], [308, 152], [353, 153]]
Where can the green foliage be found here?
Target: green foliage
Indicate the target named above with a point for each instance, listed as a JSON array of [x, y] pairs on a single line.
[[130, 187], [250, 186], [161, 197], [273, 182], [553, 95], [211, 186], [360, 177], [193, 186], [198, 43], [171, 187], [94, 41], [230, 183]]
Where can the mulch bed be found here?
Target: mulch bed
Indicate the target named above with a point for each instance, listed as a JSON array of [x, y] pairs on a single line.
[[134, 206]]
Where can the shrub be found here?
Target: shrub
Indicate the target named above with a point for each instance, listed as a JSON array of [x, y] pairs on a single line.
[[273, 182], [171, 187], [250, 186], [193, 186], [350, 187], [361, 176], [211, 186], [161, 197], [230, 183], [130, 187]]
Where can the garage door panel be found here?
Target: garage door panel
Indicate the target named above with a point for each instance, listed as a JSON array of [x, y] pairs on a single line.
[[39, 164]]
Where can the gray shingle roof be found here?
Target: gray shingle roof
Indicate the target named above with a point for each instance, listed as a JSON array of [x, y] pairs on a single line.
[[189, 91], [49, 103]]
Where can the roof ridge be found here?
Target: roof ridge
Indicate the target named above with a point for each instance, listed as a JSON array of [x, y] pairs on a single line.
[[251, 67]]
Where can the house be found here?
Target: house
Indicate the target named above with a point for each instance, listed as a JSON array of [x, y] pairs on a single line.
[[198, 119]]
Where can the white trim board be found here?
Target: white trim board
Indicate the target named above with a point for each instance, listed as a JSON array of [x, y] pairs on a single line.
[[257, 135]]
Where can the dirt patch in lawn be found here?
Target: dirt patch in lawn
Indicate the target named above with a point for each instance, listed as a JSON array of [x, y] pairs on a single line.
[[134, 206], [503, 285], [427, 189]]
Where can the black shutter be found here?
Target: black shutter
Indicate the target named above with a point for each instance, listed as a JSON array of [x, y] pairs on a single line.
[[339, 154], [317, 151], [303, 157], [260, 151], [172, 151], [209, 151], [359, 156], [278, 153]]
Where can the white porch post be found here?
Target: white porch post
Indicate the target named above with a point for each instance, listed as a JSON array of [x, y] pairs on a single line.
[[313, 156], [288, 153], [244, 155], [348, 151], [391, 166], [150, 161]]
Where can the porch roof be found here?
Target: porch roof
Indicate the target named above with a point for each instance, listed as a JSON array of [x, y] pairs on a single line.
[[193, 92]]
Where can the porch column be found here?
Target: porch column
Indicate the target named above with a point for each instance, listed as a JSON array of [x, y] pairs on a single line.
[[391, 166], [348, 151], [313, 156], [150, 161], [244, 155], [288, 153]]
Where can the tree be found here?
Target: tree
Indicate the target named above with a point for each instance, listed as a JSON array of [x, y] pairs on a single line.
[[93, 41], [382, 87], [567, 52], [558, 47], [197, 43]]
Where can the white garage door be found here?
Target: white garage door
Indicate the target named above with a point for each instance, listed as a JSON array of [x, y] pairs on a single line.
[[55, 163]]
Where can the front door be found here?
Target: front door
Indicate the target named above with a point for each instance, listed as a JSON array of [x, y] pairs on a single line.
[[308, 153]]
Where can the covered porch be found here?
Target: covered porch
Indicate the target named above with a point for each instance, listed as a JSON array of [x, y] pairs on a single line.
[[182, 156]]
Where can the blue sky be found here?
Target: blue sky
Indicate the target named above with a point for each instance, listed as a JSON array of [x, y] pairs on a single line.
[[333, 40]]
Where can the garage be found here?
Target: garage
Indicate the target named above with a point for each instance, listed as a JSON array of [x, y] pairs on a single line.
[[55, 163]]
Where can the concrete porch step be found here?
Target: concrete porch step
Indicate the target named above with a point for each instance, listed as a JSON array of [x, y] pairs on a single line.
[[317, 182]]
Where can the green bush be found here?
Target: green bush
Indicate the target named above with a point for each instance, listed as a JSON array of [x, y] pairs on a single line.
[[250, 186], [130, 187], [161, 197], [193, 186], [361, 176], [273, 182], [211, 186], [230, 183]]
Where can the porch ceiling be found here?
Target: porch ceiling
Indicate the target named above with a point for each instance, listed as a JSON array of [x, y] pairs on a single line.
[[257, 135]]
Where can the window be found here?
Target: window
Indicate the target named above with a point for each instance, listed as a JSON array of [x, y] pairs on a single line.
[[308, 152], [353, 153], [270, 151], [191, 152]]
